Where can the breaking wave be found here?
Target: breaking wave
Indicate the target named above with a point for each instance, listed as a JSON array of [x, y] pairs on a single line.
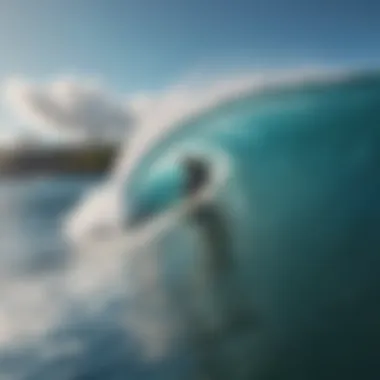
[[284, 148]]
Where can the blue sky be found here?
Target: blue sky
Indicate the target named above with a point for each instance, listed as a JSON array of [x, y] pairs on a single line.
[[137, 45]]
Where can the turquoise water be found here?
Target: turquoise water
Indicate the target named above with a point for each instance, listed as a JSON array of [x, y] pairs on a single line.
[[301, 201]]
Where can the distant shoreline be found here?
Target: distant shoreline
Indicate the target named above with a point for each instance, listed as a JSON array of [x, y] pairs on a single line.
[[52, 161]]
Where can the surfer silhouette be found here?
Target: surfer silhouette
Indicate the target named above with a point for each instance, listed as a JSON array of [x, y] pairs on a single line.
[[218, 262], [213, 273], [207, 219], [217, 267]]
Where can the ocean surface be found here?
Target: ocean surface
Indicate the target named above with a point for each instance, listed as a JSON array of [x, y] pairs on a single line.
[[295, 175], [46, 332]]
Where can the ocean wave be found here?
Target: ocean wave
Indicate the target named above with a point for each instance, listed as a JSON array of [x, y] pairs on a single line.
[[172, 111], [290, 160], [181, 105]]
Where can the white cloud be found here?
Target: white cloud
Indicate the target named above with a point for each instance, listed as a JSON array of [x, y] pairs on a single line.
[[75, 107]]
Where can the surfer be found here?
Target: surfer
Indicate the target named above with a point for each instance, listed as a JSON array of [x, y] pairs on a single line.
[[218, 265], [207, 219], [217, 282], [213, 273]]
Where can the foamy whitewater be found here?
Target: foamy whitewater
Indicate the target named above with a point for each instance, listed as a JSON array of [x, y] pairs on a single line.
[[295, 172]]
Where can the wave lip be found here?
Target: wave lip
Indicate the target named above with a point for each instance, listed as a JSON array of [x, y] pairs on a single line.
[[173, 108]]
